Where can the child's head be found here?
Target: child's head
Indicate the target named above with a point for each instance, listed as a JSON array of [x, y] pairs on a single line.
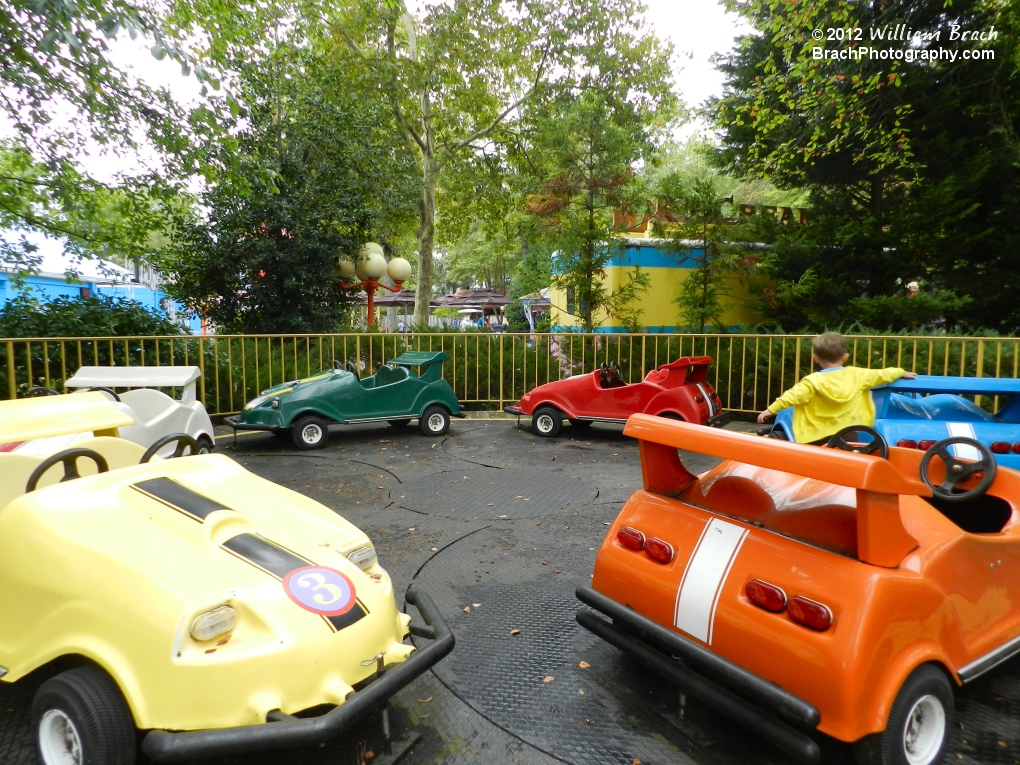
[[829, 349]]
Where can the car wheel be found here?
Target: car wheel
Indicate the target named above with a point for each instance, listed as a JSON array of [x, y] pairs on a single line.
[[399, 423], [582, 424], [547, 422], [80, 717], [671, 416], [205, 445], [435, 421], [310, 432], [918, 728]]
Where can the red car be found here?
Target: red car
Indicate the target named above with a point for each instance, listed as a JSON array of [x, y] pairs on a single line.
[[677, 390]]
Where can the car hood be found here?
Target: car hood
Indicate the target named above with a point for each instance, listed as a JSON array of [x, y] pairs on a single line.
[[189, 530]]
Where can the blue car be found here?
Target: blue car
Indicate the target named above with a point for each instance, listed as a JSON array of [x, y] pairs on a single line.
[[917, 413]]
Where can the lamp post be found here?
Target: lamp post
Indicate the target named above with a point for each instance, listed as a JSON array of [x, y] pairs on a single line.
[[369, 269]]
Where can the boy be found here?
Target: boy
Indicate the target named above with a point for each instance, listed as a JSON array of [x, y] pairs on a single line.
[[829, 400]]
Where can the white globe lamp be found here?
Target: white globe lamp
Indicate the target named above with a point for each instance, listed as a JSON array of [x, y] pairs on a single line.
[[399, 270], [374, 266], [344, 267]]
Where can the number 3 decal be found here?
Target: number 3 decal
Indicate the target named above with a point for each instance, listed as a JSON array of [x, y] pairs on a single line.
[[320, 590]]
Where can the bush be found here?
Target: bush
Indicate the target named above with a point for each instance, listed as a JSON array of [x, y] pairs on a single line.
[[100, 316]]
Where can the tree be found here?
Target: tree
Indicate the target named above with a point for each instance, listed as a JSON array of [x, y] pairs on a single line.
[[315, 175], [455, 77]]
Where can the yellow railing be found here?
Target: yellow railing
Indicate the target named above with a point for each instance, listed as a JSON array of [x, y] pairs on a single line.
[[488, 371]]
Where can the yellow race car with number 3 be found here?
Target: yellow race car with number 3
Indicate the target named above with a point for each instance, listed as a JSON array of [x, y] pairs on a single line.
[[186, 598]]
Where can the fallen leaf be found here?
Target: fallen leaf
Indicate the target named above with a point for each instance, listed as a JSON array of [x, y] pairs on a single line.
[[519, 496], [502, 516], [411, 529], [434, 549], [369, 754], [539, 523], [587, 721], [548, 679], [425, 701], [433, 446], [1003, 744], [580, 693], [584, 665], [466, 478], [489, 505], [467, 609], [515, 632], [557, 572], [552, 459], [606, 523], [383, 449], [378, 487], [636, 761], [544, 563], [476, 605]]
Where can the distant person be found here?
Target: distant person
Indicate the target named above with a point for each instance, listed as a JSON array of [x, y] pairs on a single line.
[[833, 398], [400, 326]]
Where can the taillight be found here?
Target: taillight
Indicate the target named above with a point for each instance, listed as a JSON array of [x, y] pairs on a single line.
[[906, 443], [631, 538], [1001, 447], [700, 399], [810, 613], [926, 444], [658, 550], [765, 595], [1016, 448]]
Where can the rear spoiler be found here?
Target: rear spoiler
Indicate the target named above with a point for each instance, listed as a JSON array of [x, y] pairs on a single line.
[[881, 538], [698, 367]]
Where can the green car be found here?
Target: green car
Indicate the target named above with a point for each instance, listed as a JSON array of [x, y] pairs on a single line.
[[394, 394]]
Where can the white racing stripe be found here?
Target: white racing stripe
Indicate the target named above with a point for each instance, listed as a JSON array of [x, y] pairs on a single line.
[[708, 400], [704, 576], [963, 451]]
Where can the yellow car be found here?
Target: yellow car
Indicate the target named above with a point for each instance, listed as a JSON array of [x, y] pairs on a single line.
[[187, 598]]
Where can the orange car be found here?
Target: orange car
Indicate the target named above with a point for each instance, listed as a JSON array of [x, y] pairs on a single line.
[[808, 588]]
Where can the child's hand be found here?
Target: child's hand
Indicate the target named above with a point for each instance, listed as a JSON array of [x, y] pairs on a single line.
[[765, 415], [909, 376]]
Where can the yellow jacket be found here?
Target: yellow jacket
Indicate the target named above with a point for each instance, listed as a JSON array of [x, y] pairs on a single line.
[[826, 402]]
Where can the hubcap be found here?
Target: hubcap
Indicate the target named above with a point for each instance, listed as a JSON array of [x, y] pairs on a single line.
[[311, 434], [925, 730], [59, 742], [545, 423], [436, 422]]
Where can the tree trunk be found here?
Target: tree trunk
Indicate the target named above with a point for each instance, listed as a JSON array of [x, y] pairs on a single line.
[[426, 237]]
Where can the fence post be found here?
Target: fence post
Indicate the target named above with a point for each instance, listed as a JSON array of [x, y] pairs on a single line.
[[201, 365], [796, 361], [980, 366], [12, 385], [501, 371]]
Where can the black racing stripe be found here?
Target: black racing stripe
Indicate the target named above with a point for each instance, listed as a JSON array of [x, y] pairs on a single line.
[[179, 497], [265, 554], [346, 620]]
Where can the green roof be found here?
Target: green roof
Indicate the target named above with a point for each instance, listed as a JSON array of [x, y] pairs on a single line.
[[418, 358]]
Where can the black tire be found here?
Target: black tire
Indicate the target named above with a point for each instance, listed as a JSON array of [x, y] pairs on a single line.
[[83, 707], [671, 416], [205, 445], [434, 421], [921, 716], [547, 422], [399, 423], [310, 432], [582, 424]]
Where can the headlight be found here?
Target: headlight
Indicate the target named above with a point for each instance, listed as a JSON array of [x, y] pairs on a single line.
[[255, 402], [363, 557], [212, 624]]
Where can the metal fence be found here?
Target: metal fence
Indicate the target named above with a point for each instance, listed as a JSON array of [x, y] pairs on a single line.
[[488, 371]]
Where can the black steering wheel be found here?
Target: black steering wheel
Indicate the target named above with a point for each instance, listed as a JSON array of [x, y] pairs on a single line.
[[352, 368], [604, 373], [112, 392], [843, 441], [40, 390], [182, 439], [614, 370], [958, 470], [70, 459]]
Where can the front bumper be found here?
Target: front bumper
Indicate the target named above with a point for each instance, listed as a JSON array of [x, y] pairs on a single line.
[[741, 695], [235, 425], [290, 732], [513, 409]]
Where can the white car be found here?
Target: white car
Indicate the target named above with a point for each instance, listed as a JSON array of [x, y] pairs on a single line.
[[154, 413]]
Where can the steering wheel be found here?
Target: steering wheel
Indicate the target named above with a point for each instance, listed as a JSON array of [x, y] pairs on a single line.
[[614, 370], [604, 373], [106, 390], [40, 390], [182, 439], [70, 459], [957, 470], [352, 368], [876, 444]]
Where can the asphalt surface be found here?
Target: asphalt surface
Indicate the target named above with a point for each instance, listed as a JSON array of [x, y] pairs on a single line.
[[500, 527]]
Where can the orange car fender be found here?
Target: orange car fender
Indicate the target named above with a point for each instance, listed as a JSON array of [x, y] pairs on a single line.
[[875, 707]]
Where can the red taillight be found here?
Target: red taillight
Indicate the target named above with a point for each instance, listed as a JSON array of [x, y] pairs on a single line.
[[906, 443], [810, 613], [765, 595], [11, 446], [1001, 447], [631, 538], [1016, 448], [658, 550], [700, 399], [926, 444]]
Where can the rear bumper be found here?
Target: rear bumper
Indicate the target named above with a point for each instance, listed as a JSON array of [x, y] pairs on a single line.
[[743, 696], [289, 732], [235, 425], [720, 420]]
